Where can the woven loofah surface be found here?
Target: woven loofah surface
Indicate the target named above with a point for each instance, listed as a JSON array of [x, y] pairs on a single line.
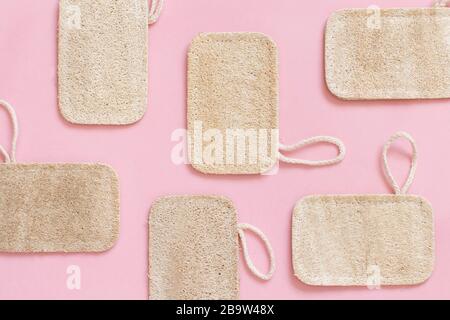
[[404, 54], [341, 240], [58, 208], [233, 84], [193, 249], [102, 63]]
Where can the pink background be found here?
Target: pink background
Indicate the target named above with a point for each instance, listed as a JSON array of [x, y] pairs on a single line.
[[141, 153]]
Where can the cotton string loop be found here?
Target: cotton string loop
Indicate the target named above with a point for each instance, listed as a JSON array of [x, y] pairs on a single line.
[[412, 171], [241, 230], [307, 142], [10, 158], [155, 11]]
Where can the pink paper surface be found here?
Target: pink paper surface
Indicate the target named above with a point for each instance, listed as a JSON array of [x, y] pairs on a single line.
[[141, 153]]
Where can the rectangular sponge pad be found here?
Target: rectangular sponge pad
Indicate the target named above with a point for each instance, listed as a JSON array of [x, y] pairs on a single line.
[[388, 53], [102, 61], [58, 208], [193, 249], [232, 86], [343, 240]]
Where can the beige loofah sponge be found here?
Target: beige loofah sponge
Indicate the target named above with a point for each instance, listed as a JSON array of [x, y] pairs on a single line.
[[56, 207], [233, 106], [233, 84], [194, 249], [388, 53], [364, 240], [102, 60]]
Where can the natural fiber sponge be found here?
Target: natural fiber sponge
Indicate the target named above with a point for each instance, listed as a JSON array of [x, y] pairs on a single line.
[[348, 240], [388, 53], [193, 249], [58, 208], [102, 61], [233, 92]]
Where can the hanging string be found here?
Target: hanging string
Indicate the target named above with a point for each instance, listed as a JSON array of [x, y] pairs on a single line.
[[10, 158], [412, 172], [307, 142], [241, 230], [155, 11]]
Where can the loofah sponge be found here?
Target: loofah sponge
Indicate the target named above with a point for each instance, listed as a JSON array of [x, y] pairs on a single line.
[[233, 106], [194, 249], [56, 207], [102, 60], [360, 240], [388, 53]]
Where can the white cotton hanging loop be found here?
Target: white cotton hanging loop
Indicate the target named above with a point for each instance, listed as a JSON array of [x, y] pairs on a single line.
[[10, 158], [412, 171], [155, 11], [241, 230], [5, 155], [307, 142]]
